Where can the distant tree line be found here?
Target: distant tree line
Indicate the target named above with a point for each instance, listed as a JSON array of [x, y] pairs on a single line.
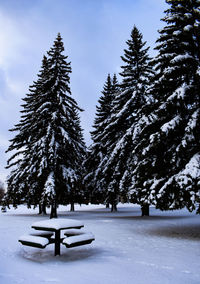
[[146, 132]]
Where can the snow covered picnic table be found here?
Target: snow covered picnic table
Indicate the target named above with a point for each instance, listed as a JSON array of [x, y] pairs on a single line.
[[55, 226]]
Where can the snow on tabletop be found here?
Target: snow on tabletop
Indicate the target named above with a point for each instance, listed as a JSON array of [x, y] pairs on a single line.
[[58, 224], [33, 239], [80, 238]]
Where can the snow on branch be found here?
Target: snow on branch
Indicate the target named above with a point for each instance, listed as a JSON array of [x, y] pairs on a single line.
[[181, 57], [49, 187], [170, 125], [190, 172], [179, 93]]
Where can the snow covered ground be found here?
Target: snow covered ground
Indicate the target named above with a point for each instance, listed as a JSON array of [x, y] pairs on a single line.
[[161, 249]]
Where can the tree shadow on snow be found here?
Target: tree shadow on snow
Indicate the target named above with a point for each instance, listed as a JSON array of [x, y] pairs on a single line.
[[36, 215], [148, 218], [190, 232], [100, 211], [67, 255]]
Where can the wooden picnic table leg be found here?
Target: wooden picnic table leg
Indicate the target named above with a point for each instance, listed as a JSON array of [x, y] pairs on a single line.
[[57, 242]]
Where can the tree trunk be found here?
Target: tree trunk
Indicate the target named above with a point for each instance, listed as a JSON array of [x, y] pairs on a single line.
[[72, 206], [44, 212], [40, 209], [114, 207], [107, 205], [145, 209], [53, 210]]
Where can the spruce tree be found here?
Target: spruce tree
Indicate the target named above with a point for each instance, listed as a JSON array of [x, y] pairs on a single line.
[[136, 75], [49, 138], [19, 180], [97, 151], [167, 157]]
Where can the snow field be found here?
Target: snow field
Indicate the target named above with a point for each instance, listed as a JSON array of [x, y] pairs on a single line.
[[164, 248]]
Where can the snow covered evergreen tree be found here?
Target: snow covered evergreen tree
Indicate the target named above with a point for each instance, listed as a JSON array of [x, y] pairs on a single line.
[[97, 150], [19, 181], [136, 74], [166, 169], [49, 139]]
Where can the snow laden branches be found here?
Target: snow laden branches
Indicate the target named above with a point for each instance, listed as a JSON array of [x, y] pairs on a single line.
[[151, 139], [146, 138], [166, 172], [97, 151], [114, 138], [49, 146]]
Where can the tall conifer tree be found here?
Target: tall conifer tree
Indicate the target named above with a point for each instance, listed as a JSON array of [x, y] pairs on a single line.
[[20, 180], [167, 168], [136, 75], [97, 151], [51, 140]]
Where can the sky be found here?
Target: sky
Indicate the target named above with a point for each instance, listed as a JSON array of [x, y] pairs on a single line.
[[94, 33]]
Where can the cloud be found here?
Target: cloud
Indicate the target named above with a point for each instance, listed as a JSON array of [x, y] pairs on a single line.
[[12, 41]]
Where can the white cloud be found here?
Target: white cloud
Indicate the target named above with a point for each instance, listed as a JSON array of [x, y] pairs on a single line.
[[4, 143], [12, 40]]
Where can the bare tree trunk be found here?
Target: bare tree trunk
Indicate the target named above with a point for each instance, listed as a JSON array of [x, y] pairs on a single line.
[[107, 205], [44, 212], [72, 206], [113, 207], [145, 209], [53, 210], [40, 209]]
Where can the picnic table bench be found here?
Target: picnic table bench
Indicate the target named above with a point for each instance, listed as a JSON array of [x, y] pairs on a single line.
[[49, 232]]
